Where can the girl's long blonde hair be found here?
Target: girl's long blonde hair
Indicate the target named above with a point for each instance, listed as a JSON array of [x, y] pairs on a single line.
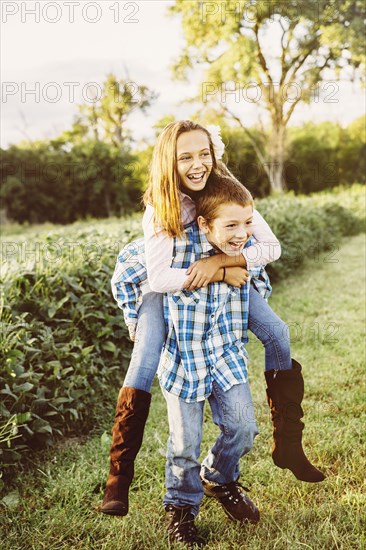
[[164, 182]]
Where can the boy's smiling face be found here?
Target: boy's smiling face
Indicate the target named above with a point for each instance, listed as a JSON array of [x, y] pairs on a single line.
[[230, 229]]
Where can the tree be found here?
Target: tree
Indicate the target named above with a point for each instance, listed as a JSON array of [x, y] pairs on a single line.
[[104, 118], [279, 50]]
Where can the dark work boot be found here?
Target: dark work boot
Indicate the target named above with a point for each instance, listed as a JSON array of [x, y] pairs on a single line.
[[128, 429], [181, 527], [285, 392], [236, 504]]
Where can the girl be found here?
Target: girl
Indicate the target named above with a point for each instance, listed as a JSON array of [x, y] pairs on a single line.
[[183, 159]]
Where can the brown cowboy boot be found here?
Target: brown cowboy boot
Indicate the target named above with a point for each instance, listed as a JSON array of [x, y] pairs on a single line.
[[285, 393], [131, 414]]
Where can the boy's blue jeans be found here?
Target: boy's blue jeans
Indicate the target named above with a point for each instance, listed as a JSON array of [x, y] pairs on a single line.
[[233, 412], [150, 334]]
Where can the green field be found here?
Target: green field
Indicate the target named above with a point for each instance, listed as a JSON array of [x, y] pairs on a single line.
[[53, 500]]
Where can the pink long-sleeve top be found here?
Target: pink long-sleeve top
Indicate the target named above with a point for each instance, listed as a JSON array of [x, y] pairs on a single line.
[[159, 248]]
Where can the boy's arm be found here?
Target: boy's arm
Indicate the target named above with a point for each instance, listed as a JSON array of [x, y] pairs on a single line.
[[261, 281], [128, 278], [128, 298]]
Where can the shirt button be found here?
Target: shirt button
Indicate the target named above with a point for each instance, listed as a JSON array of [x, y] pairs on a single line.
[[212, 316], [210, 352]]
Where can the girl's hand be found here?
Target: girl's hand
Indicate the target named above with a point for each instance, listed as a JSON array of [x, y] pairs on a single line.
[[201, 273], [236, 276]]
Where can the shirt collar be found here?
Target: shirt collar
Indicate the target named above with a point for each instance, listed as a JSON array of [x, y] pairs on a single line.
[[202, 246], [184, 197]]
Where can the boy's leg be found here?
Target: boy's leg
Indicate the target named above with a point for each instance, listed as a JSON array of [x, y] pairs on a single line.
[[182, 472], [184, 489], [271, 331], [133, 404], [233, 412]]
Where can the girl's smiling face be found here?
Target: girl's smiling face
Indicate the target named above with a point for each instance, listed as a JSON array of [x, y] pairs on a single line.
[[230, 229], [194, 160]]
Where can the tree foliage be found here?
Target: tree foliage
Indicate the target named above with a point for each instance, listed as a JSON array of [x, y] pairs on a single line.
[[89, 170], [51, 184], [282, 50], [104, 118]]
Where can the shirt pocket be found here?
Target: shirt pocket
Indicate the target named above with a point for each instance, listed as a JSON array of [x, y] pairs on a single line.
[[186, 297]]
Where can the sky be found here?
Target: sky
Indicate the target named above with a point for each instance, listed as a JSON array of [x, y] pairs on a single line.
[[54, 55]]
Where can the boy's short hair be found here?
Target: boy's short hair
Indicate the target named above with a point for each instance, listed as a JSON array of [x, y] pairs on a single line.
[[221, 190]]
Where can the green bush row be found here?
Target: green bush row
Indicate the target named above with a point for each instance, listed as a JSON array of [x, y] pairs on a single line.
[[309, 225], [64, 344]]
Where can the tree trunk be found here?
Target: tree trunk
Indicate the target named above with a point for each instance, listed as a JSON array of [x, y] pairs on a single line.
[[276, 158], [107, 202]]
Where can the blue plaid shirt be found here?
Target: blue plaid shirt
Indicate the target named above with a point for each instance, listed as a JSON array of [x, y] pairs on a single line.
[[129, 279], [212, 322], [207, 328]]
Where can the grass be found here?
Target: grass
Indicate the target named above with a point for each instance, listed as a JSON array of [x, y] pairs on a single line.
[[53, 503]]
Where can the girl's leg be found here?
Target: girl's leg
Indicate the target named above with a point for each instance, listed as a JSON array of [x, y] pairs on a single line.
[[133, 404], [233, 412], [271, 331], [150, 337], [285, 392], [285, 389]]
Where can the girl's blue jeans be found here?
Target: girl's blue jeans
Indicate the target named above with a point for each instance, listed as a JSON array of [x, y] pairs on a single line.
[[150, 337], [233, 412]]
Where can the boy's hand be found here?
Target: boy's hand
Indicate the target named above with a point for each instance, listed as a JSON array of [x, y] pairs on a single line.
[[236, 276], [201, 273], [132, 332]]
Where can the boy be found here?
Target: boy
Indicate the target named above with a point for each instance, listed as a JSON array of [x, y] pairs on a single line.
[[204, 358]]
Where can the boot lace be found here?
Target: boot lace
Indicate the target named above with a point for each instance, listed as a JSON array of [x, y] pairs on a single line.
[[231, 492], [181, 525]]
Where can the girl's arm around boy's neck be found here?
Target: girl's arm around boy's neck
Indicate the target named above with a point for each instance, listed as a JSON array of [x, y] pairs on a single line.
[[223, 260], [211, 270]]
